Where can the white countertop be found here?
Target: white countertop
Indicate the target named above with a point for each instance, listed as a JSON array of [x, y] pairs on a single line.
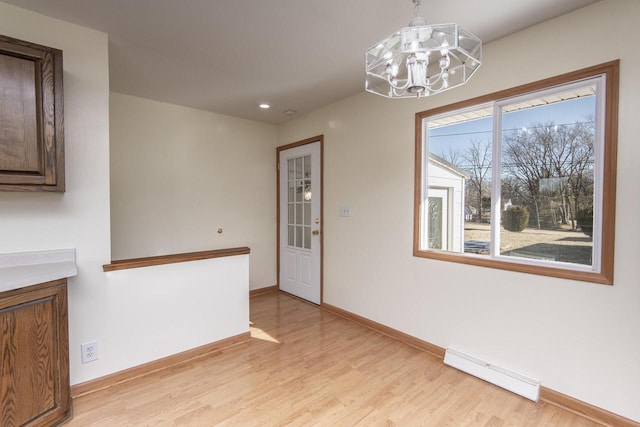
[[18, 270]]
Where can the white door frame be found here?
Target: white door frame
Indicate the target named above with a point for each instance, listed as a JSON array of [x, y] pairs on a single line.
[[320, 140]]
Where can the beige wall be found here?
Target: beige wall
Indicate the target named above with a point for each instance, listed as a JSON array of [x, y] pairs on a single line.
[[127, 311], [578, 338], [79, 218], [179, 174]]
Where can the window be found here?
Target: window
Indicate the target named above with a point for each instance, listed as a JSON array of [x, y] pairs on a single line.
[[523, 179]]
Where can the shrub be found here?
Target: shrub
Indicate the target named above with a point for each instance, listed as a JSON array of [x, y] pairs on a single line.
[[515, 218], [584, 219]]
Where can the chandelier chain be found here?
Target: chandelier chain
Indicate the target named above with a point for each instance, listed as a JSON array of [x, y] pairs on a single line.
[[416, 7]]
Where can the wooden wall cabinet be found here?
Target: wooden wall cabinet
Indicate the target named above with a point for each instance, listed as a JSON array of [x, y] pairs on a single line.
[[31, 117], [34, 355]]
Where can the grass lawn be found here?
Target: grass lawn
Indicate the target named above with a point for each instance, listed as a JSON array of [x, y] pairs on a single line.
[[563, 245]]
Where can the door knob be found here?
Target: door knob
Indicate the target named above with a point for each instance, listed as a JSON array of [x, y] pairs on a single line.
[[315, 232]]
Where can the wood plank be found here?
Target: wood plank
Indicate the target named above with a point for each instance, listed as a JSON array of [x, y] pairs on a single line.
[[385, 330], [308, 366], [262, 291], [583, 409], [146, 369], [173, 258]]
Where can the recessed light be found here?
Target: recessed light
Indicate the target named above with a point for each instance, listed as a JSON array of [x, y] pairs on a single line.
[[265, 106]]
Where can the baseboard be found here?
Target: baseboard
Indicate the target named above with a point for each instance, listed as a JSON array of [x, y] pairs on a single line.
[[584, 410], [390, 332], [263, 291], [551, 397], [126, 375]]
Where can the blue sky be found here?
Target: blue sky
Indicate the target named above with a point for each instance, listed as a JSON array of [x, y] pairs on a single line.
[[441, 140]]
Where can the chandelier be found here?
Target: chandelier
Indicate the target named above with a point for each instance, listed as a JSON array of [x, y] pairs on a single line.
[[421, 60]]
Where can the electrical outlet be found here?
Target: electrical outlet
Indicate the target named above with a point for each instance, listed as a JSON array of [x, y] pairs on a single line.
[[89, 351], [345, 211]]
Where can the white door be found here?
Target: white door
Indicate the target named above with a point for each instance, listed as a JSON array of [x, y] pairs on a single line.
[[300, 209]]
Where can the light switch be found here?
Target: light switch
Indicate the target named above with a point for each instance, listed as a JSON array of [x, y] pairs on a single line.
[[345, 211]]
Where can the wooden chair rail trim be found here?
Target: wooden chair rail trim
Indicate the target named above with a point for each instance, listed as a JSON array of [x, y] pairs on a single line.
[[552, 397], [174, 258], [168, 362]]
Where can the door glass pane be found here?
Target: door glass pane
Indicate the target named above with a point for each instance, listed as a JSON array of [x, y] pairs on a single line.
[[298, 236], [307, 213], [291, 196], [291, 170], [299, 168], [299, 218], [307, 237], [307, 178], [299, 198], [307, 190], [299, 191], [291, 233], [307, 166], [291, 236]]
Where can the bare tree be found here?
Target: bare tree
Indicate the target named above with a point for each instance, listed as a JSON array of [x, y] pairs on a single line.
[[453, 156], [554, 164], [476, 160]]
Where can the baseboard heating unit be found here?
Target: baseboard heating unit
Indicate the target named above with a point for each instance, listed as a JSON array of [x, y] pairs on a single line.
[[512, 381]]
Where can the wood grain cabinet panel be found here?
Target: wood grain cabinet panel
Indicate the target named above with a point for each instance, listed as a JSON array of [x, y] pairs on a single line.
[[31, 117], [34, 356]]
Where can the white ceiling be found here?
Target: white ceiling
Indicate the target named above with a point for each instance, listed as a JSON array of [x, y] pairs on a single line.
[[227, 56]]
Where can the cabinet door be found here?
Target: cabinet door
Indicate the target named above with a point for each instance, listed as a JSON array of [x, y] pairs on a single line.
[[31, 117], [34, 359]]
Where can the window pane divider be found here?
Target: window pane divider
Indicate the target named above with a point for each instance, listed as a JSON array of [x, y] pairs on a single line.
[[496, 166]]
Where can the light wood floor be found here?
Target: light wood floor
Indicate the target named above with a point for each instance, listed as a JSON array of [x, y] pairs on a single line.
[[307, 367]]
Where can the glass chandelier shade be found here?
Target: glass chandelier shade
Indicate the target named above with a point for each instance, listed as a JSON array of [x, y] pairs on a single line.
[[421, 60]]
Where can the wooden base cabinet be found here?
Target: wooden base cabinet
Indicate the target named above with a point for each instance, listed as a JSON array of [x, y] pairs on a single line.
[[34, 355]]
